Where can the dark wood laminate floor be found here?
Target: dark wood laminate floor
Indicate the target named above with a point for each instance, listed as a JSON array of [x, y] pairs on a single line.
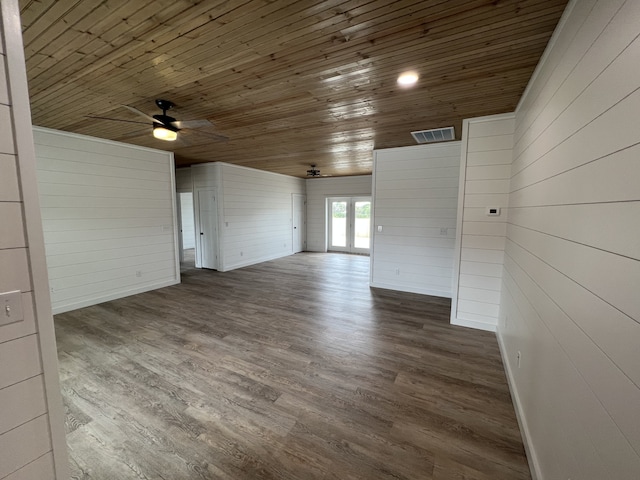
[[291, 369]]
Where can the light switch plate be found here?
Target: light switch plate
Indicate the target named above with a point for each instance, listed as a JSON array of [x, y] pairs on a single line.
[[11, 307]]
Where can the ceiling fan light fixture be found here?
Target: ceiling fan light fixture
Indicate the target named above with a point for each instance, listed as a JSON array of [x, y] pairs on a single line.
[[408, 79], [161, 132]]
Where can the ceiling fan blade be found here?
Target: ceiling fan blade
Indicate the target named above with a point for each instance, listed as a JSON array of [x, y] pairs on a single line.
[[201, 133], [116, 119], [137, 133], [192, 124], [142, 114]]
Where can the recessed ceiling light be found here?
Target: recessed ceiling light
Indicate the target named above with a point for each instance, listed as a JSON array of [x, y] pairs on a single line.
[[407, 79]]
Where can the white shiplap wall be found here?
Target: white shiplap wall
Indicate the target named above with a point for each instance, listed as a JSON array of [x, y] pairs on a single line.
[[415, 197], [184, 183], [254, 212], [570, 301], [109, 219], [318, 190], [257, 215], [32, 443], [485, 166]]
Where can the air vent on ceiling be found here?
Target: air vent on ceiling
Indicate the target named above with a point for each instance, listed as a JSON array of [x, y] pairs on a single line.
[[434, 135]]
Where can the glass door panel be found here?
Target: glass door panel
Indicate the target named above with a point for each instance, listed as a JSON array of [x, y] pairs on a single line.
[[338, 227], [362, 225]]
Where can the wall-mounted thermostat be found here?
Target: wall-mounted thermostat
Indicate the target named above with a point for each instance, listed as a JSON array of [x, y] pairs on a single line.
[[493, 211]]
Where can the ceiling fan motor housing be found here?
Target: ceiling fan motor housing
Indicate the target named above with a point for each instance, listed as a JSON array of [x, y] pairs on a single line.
[[166, 121]]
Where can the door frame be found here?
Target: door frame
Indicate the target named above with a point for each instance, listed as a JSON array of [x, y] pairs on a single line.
[[351, 202]]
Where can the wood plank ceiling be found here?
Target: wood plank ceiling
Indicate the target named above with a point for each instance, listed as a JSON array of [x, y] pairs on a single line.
[[290, 83]]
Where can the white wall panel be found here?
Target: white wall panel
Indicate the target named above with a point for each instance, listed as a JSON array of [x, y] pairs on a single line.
[[102, 198], [415, 202], [484, 182], [184, 183], [569, 301], [31, 414], [256, 222], [254, 212], [318, 190]]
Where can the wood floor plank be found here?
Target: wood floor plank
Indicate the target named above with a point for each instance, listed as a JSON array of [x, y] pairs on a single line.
[[291, 369]]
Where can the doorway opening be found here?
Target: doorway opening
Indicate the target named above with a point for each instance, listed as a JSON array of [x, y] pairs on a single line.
[[349, 222], [187, 228]]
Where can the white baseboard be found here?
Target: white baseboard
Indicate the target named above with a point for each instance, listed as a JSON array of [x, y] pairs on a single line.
[[489, 327], [534, 465], [67, 307], [421, 291], [254, 261]]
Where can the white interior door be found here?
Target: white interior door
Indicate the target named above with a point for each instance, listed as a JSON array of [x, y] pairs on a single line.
[[207, 222], [299, 206], [349, 221]]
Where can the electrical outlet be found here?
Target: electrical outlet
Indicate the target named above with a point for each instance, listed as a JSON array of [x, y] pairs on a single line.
[[444, 231]]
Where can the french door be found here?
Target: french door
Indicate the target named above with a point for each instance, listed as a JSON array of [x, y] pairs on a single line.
[[349, 224]]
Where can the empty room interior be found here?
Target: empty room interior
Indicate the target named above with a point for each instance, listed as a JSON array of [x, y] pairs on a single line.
[[298, 240]]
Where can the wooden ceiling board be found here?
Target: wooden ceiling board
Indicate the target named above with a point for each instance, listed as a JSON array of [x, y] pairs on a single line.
[[290, 83]]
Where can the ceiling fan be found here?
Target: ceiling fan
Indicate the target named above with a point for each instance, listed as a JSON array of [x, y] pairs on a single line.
[[166, 127], [314, 172]]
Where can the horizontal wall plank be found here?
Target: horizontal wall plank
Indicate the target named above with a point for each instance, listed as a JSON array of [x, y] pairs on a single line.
[[483, 269], [482, 255], [41, 468], [9, 190], [484, 228], [12, 231], [23, 444], [610, 179], [492, 127], [596, 225], [491, 157], [20, 360], [14, 260], [479, 295], [6, 133], [480, 281], [488, 172], [583, 264], [22, 402], [492, 143], [486, 186], [483, 241]]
